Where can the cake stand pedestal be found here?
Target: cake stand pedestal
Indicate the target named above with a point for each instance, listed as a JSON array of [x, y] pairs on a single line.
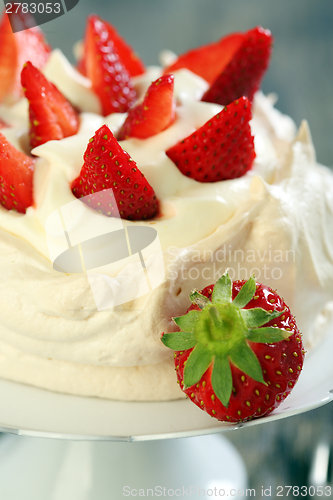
[[48, 469]]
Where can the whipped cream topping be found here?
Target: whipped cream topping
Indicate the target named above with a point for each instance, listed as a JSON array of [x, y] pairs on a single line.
[[276, 221]]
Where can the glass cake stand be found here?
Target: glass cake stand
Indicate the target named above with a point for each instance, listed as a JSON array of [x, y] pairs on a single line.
[[94, 459]]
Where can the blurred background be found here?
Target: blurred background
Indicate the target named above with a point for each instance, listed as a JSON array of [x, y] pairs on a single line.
[[296, 451], [301, 74], [301, 71]]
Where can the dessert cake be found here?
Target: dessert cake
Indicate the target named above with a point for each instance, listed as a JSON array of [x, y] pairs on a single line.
[[274, 219]]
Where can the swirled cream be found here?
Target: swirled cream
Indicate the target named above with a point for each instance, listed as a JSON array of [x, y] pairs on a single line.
[[276, 221]]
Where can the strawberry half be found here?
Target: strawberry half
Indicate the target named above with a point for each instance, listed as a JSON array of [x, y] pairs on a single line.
[[15, 50], [223, 148], [108, 166], [110, 79], [209, 60], [128, 57], [154, 114], [52, 117], [239, 352], [130, 60], [16, 176], [245, 71]]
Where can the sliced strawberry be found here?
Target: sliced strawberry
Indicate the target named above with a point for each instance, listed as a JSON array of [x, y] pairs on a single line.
[[15, 50], [128, 57], [154, 114], [223, 148], [110, 79], [209, 60], [8, 57], [108, 166], [130, 60], [16, 176], [245, 71], [52, 117]]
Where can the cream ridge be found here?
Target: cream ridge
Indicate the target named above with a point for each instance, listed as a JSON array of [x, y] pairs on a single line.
[[276, 221]]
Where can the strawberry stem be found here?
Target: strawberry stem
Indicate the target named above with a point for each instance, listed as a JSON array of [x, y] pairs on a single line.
[[215, 317]]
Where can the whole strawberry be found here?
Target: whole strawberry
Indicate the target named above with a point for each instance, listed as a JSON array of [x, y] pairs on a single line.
[[239, 352], [107, 166], [223, 148]]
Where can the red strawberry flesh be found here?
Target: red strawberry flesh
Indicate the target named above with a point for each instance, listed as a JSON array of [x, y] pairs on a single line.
[[8, 57], [154, 114], [52, 117], [209, 60], [16, 177], [15, 50]]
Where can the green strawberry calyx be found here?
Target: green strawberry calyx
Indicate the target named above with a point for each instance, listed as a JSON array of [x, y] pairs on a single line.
[[219, 333]]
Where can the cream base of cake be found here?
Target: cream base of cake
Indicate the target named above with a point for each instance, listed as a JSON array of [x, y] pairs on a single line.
[[135, 383], [156, 382]]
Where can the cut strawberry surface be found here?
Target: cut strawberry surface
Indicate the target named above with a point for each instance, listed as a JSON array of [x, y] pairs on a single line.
[[154, 114], [245, 71], [239, 352], [107, 166], [15, 50], [8, 57], [223, 148], [209, 60], [111, 81], [16, 177], [52, 117]]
